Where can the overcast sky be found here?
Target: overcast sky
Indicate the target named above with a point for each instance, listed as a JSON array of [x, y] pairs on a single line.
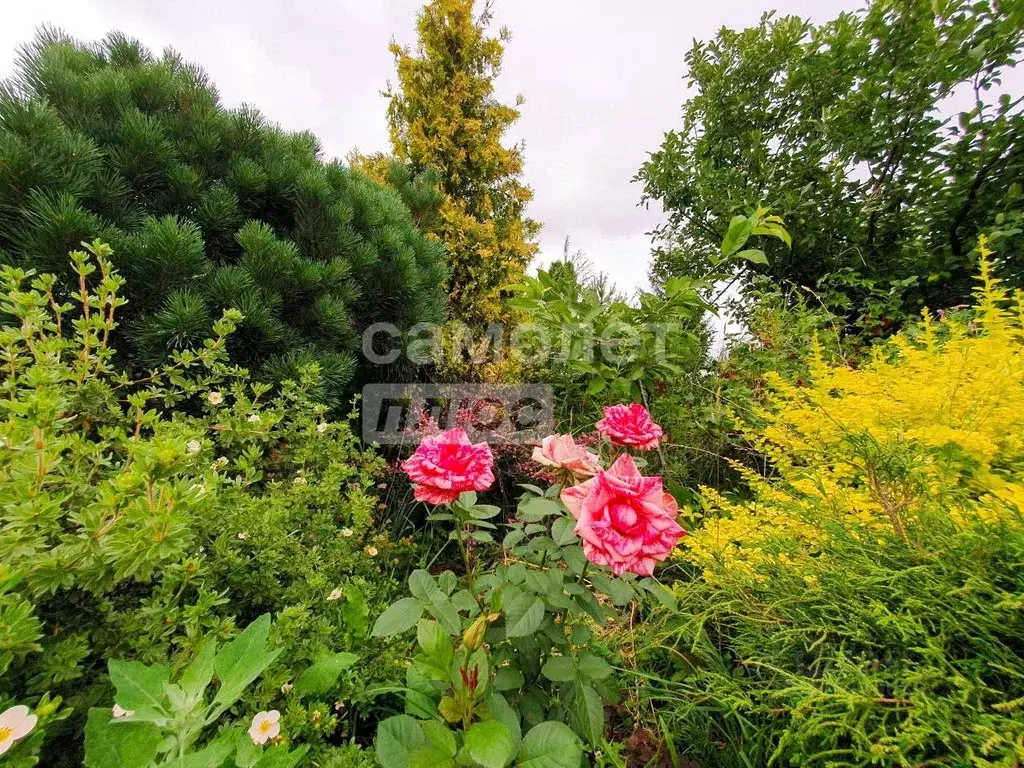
[[603, 81]]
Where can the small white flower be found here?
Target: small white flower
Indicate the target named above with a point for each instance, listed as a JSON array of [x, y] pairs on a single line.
[[215, 398], [15, 723], [370, 551], [243, 535], [287, 688], [265, 727], [194, 446], [335, 595], [346, 532], [222, 461], [120, 711], [253, 418], [339, 705], [300, 480], [322, 427]]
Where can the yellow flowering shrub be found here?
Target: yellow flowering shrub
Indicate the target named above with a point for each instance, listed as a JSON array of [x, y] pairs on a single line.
[[928, 432]]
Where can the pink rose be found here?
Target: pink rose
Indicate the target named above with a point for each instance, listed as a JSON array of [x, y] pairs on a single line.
[[561, 452], [627, 521], [630, 425], [446, 464]]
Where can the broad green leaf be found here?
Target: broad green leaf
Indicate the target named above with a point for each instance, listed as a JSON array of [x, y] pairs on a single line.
[[242, 660], [399, 617], [430, 756], [281, 757], [485, 512], [737, 234], [421, 695], [119, 745], [199, 672], [581, 634], [139, 686], [559, 669], [533, 706], [618, 590], [396, 738], [534, 509], [423, 586], [433, 640], [447, 581], [661, 594], [516, 573], [440, 736], [508, 679], [512, 538], [323, 674], [588, 714], [563, 531], [550, 745], [593, 667], [210, 756], [501, 710], [753, 255], [464, 602], [490, 743], [574, 558], [523, 616]]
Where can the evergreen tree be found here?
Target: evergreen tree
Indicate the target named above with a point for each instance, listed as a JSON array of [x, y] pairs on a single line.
[[444, 119], [206, 208]]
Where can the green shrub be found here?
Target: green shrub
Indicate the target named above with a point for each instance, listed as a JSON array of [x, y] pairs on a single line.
[[140, 517], [207, 209], [879, 654], [862, 603]]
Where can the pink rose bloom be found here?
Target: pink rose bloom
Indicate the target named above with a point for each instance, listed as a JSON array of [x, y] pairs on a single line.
[[630, 425], [447, 464], [561, 452], [627, 521]]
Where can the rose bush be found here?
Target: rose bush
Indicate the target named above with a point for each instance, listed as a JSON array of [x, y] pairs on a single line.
[[522, 655]]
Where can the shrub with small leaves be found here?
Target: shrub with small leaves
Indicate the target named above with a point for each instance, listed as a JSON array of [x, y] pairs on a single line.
[[163, 509]]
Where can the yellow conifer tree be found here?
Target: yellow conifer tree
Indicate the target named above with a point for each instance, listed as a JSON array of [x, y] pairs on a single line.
[[444, 119]]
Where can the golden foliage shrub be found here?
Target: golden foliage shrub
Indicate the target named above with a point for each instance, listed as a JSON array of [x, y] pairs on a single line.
[[928, 432]]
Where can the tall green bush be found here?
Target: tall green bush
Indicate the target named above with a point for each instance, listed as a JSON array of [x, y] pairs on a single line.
[[886, 138], [139, 517], [207, 208]]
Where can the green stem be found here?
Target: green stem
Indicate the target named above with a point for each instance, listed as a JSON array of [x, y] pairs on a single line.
[[583, 573], [470, 582]]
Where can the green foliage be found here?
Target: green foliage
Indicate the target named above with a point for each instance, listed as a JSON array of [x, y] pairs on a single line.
[[206, 209], [525, 666], [859, 603], [878, 654], [156, 722], [598, 350], [140, 517], [842, 129]]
